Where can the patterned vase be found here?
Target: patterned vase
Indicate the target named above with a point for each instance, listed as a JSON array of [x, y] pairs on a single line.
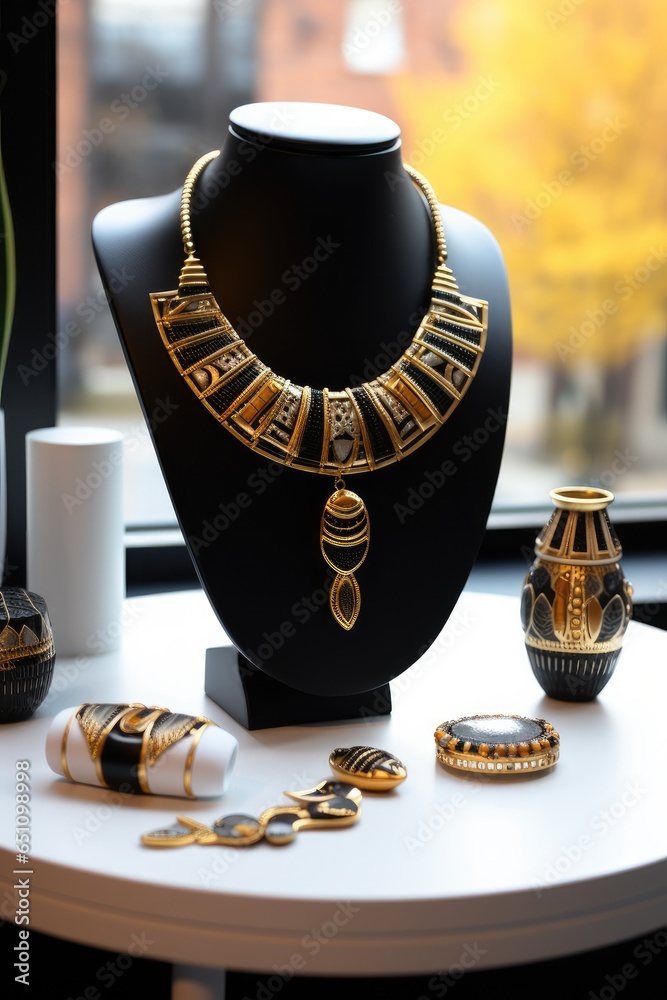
[[27, 653], [576, 602]]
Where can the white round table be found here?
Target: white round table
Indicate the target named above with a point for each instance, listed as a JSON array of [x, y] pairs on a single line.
[[447, 869]]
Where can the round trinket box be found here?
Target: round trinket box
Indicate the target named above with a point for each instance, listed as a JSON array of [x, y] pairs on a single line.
[[27, 653], [497, 745]]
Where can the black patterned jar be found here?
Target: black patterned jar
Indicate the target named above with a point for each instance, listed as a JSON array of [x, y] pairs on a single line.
[[576, 602], [27, 653]]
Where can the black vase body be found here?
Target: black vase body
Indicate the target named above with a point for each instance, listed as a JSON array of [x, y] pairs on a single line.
[[576, 602]]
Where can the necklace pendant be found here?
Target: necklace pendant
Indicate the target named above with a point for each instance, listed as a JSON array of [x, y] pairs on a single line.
[[344, 540]]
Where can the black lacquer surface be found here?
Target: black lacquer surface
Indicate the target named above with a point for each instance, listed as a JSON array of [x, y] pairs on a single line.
[[497, 730]]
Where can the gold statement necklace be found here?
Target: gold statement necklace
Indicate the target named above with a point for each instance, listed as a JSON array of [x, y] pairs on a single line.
[[334, 432]]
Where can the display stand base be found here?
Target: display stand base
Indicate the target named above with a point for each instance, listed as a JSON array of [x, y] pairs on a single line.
[[258, 701]]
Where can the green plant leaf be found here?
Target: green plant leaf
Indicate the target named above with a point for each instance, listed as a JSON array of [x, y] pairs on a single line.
[[7, 272]]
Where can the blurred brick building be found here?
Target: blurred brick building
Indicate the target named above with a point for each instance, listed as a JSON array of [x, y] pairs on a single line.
[[344, 51]]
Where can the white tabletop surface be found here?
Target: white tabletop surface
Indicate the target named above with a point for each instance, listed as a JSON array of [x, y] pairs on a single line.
[[443, 867]]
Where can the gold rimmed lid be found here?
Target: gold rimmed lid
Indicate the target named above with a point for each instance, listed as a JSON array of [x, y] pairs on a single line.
[[497, 745]]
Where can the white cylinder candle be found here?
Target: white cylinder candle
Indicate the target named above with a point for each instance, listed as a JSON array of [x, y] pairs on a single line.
[[75, 534], [187, 769]]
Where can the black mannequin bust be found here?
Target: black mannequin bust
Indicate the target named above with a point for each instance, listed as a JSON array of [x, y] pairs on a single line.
[[320, 251]]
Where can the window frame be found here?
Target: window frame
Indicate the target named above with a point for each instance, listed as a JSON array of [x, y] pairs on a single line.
[[156, 558], [29, 391]]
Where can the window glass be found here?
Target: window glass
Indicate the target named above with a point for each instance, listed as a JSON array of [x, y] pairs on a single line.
[[373, 36], [543, 120]]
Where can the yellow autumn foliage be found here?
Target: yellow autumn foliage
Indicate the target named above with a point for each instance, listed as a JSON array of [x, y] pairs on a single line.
[[549, 127]]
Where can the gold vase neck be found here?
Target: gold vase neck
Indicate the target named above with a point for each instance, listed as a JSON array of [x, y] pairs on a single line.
[[581, 498], [579, 531]]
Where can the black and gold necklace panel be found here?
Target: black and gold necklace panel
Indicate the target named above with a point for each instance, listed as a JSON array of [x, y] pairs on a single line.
[[335, 432]]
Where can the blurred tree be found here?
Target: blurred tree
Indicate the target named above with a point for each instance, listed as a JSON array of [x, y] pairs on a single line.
[[551, 131]]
